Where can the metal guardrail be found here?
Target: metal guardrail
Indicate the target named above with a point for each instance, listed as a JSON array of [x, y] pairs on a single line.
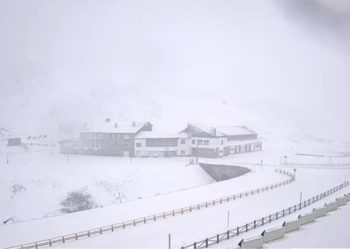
[[155, 217], [262, 221]]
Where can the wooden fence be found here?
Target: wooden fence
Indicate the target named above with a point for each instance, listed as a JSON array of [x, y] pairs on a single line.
[[264, 220], [155, 217]]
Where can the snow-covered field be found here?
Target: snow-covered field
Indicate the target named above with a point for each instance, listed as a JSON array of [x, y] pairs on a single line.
[[34, 183], [176, 184]]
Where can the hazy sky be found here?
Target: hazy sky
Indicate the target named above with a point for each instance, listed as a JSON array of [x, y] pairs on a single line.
[[264, 63]]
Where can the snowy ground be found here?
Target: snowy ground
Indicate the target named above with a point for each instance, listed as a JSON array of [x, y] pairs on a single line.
[[35, 182], [331, 231], [145, 181]]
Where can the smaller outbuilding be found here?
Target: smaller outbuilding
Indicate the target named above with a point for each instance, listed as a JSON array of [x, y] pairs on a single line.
[[12, 142]]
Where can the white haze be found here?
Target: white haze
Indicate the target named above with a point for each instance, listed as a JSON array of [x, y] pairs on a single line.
[[267, 64]]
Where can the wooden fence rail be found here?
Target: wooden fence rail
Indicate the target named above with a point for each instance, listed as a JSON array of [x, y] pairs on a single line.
[[155, 217], [267, 219]]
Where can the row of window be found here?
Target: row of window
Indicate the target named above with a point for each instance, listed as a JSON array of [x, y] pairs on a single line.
[[200, 142], [101, 136]]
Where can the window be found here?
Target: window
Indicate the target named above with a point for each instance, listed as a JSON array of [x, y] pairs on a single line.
[[200, 142], [183, 152], [222, 142], [126, 136], [193, 141], [161, 142], [182, 141], [206, 142], [138, 144]]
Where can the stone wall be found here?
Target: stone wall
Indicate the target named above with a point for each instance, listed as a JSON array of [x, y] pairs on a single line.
[[223, 172]]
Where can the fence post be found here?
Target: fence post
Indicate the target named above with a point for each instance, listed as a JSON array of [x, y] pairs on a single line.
[[206, 242], [173, 213], [50, 244], [100, 230], [36, 245], [76, 236], [89, 232], [263, 220], [191, 209], [270, 217], [237, 231], [217, 239], [228, 234], [246, 227], [144, 220], [195, 245], [112, 228], [63, 241], [182, 210], [198, 207], [254, 224], [154, 217], [164, 215]]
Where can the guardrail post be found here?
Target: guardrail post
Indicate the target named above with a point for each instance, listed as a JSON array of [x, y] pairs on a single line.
[[262, 220], [195, 245], [237, 230], [63, 241], [100, 230], [206, 204], [217, 239], [198, 207], [50, 244], [89, 232], [254, 224], [144, 220], [270, 217], [123, 226], [76, 236], [246, 227], [228, 234], [173, 213], [182, 210], [276, 215], [36, 245], [154, 217], [112, 228], [190, 209], [134, 223], [164, 215], [206, 242]]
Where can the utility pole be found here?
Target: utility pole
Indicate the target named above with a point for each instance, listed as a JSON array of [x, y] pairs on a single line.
[[228, 218], [120, 198], [169, 241], [197, 155]]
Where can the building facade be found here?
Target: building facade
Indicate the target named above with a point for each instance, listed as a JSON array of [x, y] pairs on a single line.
[[140, 140]]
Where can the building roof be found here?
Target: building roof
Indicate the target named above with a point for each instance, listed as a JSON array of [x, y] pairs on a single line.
[[223, 130], [160, 134], [119, 127]]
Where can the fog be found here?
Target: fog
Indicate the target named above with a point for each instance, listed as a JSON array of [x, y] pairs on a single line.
[[267, 64]]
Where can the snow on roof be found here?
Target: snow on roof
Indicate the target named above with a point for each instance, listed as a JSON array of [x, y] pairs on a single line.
[[160, 134], [122, 127], [224, 130]]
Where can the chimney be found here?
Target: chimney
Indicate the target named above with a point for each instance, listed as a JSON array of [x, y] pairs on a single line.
[[213, 131], [115, 125]]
